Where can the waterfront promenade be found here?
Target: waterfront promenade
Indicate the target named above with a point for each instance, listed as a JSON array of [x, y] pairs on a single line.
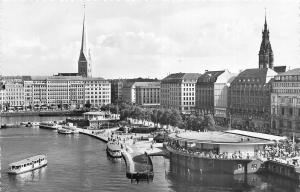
[[133, 150]]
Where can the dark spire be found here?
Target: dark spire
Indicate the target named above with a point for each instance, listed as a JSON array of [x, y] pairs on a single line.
[[84, 62], [265, 53], [266, 27]]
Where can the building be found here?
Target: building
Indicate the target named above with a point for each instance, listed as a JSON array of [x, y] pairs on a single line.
[[178, 91], [147, 94], [151, 89], [14, 94], [48, 91], [211, 92], [250, 103], [85, 60], [116, 90], [285, 103], [97, 91]]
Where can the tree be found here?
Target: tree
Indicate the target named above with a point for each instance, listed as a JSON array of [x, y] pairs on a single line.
[[211, 125], [175, 118], [165, 118]]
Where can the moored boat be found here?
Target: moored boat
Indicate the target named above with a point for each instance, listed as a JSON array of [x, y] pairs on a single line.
[[48, 125], [64, 131], [34, 124], [113, 149], [28, 164], [71, 127]]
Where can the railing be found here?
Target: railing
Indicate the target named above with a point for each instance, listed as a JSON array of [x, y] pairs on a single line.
[[214, 156]]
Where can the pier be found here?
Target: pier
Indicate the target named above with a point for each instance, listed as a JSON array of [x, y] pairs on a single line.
[[135, 153]]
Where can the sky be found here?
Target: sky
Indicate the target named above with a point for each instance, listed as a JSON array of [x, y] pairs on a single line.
[[146, 38]]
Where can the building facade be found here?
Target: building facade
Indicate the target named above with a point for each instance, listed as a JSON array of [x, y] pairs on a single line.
[[178, 91], [116, 90], [148, 94], [30, 91], [212, 93], [250, 102], [285, 103]]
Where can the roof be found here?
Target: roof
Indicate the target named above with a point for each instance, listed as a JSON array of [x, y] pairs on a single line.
[[180, 77], [44, 78], [98, 113], [279, 69], [27, 160], [263, 74], [147, 84], [218, 137], [291, 72], [257, 135], [209, 76]]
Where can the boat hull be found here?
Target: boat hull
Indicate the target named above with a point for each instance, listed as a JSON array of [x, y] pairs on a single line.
[[114, 154], [47, 127], [16, 172]]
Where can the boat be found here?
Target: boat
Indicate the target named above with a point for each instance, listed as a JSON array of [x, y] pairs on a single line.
[[71, 127], [34, 124], [28, 164], [113, 149], [64, 131], [11, 126], [48, 125], [25, 124]]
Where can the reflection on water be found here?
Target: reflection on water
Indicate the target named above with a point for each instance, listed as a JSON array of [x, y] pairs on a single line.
[[28, 177], [193, 180]]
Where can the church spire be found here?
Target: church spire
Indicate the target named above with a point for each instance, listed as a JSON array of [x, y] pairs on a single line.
[[84, 62], [265, 53]]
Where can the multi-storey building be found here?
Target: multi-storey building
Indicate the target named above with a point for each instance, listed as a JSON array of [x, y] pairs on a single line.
[[147, 94], [116, 90], [212, 93], [250, 95], [97, 91], [56, 90], [178, 91], [128, 92], [14, 94], [285, 103]]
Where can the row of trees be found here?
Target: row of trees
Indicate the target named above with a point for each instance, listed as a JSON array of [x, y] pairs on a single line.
[[163, 116]]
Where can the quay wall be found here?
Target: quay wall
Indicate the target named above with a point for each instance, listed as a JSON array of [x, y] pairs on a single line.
[[282, 169], [204, 164]]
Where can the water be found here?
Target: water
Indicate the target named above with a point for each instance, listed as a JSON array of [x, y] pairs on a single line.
[[80, 163]]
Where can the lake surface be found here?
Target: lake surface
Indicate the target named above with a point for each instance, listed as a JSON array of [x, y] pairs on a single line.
[[80, 163]]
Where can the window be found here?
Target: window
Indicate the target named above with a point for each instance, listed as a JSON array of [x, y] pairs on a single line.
[[254, 166], [291, 111], [282, 111]]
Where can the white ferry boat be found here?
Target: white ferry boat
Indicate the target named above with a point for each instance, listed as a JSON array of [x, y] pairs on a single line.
[[113, 149], [28, 164], [34, 124], [71, 127], [48, 125], [64, 131]]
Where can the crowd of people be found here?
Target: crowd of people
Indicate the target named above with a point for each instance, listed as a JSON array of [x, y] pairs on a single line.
[[209, 153], [283, 151]]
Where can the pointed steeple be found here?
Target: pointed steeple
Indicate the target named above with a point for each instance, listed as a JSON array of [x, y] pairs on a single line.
[[84, 62], [266, 26], [265, 53], [83, 39]]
